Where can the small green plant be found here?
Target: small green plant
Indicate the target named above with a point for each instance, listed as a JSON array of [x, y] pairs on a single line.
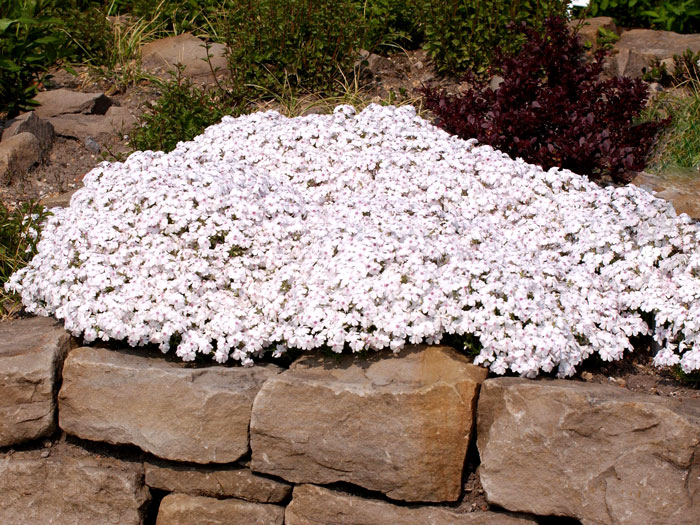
[[606, 38], [670, 15], [686, 69], [181, 113], [19, 234], [85, 24], [461, 35], [30, 43]]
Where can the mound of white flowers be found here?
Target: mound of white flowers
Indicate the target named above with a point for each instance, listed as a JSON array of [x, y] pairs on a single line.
[[364, 231]]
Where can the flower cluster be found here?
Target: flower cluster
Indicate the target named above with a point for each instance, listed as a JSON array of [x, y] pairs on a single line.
[[365, 231]]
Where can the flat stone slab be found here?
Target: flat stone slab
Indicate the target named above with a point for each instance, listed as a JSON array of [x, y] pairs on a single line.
[[65, 101], [173, 411], [161, 56], [398, 424], [638, 47], [598, 453], [31, 353], [117, 120], [182, 509], [312, 505], [224, 482], [70, 486]]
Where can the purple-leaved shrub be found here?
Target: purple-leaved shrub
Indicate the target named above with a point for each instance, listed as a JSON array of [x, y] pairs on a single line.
[[553, 109]]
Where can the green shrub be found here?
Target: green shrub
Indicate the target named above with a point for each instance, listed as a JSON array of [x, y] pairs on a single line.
[[461, 35], [391, 24], [181, 113], [19, 234], [30, 43], [671, 15], [309, 44]]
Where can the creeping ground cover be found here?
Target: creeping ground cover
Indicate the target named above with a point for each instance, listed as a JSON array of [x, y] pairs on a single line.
[[365, 231]]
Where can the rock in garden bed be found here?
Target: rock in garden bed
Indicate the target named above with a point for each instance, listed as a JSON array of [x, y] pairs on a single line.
[[199, 415], [594, 452], [365, 231], [31, 355]]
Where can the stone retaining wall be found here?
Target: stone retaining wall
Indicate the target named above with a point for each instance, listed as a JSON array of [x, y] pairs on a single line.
[[379, 439]]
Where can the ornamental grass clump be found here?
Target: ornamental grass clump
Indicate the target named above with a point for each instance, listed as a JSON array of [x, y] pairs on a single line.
[[365, 231], [552, 109]]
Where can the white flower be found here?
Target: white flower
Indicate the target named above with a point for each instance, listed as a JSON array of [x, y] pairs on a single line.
[[364, 231]]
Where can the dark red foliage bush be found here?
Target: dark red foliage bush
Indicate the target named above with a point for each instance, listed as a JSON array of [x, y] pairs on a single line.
[[553, 109]]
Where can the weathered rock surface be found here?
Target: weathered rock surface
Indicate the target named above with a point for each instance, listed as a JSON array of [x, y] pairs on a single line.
[[638, 47], [17, 154], [160, 56], [65, 101], [182, 509], [588, 28], [681, 189], [225, 482], [31, 353], [117, 120], [199, 415], [595, 452], [30, 123], [312, 505], [397, 424], [70, 487]]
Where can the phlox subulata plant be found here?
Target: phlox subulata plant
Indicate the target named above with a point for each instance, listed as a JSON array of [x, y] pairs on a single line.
[[361, 232]]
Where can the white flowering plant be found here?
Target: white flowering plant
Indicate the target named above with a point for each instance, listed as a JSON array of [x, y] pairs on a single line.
[[365, 231]]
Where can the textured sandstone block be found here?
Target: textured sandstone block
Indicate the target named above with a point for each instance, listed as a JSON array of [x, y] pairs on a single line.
[[163, 55], [31, 353], [172, 411], [182, 509], [225, 482], [638, 47], [595, 452], [70, 487], [397, 424], [30, 123], [17, 154], [313, 505]]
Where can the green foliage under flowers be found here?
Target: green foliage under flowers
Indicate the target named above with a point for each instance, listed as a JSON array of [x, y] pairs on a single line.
[[19, 234], [30, 42], [308, 43], [681, 16], [461, 35], [181, 113]]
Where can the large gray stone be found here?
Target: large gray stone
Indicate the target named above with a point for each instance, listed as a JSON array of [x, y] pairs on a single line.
[[166, 408], [638, 47], [31, 353], [223, 482], [30, 123], [17, 154], [70, 487], [161, 56], [399, 424], [312, 505], [595, 452], [64, 101], [182, 509]]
